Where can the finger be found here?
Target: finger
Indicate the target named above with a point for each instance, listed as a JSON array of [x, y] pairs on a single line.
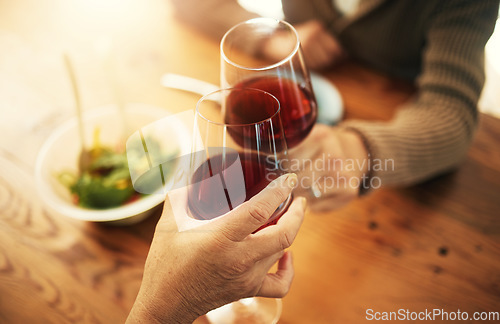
[[278, 237], [313, 58], [251, 215], [331, 45], [328, 49], [318, 55], [277, 285], [262, 266], [259, 272], [268, 262], [323, 56]]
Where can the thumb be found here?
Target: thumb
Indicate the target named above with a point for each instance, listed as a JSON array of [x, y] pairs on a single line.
[[251, 215]]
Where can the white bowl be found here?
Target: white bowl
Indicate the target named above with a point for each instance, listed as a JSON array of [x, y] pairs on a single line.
[[61, 150]]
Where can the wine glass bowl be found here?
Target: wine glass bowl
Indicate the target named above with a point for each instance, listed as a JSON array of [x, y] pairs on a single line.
[[265, 53], [239, 153]]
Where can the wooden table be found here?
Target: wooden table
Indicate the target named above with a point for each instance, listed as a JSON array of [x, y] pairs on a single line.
[[432, 246]]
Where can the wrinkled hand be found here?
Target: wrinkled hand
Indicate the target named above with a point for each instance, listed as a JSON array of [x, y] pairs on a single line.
[[331, 164], [189, 273]]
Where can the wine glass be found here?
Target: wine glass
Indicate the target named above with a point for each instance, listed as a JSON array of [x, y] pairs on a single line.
[[265, 53], [243, 148]]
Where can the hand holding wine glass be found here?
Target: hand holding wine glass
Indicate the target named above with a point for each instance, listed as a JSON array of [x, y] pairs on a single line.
[[339, 161], [189, 273], [239, 148]]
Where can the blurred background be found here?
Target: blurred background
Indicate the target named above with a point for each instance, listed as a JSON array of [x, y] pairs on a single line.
[[490, 98], [110, 41], [33, 35], [113, 41], [129, 45]]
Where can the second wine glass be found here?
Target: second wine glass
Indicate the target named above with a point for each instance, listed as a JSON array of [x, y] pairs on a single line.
[[265, 53]]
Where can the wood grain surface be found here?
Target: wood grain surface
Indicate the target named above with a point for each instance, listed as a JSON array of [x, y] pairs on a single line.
[[435, 245]]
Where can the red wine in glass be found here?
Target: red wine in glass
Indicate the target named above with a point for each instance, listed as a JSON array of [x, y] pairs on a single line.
[[298, 106], [205, 201]]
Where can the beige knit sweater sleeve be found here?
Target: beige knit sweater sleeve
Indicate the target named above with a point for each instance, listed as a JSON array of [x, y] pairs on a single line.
[[432, 133]]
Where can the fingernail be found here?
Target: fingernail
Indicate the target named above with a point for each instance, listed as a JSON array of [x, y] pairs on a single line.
[[291, 180], [304, 203]]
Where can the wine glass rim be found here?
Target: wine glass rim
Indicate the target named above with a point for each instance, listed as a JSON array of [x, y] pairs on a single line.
[[205, 97], [267, 67]]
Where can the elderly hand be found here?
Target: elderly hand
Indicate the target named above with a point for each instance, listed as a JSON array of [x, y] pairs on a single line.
[[189, 273], [331, 164]]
